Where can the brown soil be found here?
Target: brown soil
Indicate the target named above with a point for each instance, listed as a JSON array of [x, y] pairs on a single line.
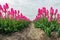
[[29, 33]]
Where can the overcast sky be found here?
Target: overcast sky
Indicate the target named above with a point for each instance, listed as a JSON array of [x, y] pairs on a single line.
[[29, 7]]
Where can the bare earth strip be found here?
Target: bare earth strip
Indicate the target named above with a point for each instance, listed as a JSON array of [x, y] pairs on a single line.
[[29, 33]]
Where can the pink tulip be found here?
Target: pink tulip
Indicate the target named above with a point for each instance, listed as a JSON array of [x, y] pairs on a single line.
[[21, 15], [49, 19], [9, 12], [4, 9], [44, 9], [0, 14], [18, 11], [17, 18], [1, 7], [37, 17], [47, 12], [58, 16], [6, 6], [15, 12], [4, 17], [56, 11], [51, 11], [12, 10], [39, 11], [25, 18]]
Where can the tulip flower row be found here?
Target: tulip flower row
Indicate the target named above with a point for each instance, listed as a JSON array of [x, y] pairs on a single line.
[[12, 20], [51, 15], [48, 20], [11, 14]]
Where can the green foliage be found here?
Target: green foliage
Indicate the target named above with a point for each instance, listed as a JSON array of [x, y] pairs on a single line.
[[47, 27], [9, 26]]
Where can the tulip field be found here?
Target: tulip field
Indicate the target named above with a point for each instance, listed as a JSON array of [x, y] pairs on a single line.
[[12, 20]]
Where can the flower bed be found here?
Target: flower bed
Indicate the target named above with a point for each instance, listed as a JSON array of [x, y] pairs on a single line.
[[48, 21], [12, 20]]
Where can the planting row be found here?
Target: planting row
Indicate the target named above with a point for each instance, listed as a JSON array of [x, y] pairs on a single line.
[[12, 20], [48, 20]]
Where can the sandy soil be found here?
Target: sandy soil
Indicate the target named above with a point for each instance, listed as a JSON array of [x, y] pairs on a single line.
[[29, 33]]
